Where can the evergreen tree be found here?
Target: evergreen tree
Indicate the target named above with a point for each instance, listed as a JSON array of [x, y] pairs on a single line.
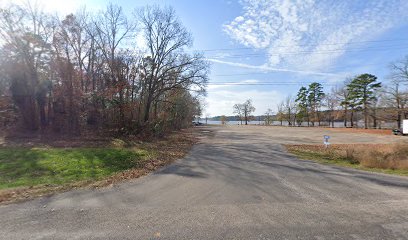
[[362, 91], [302, 102], [315, 97]]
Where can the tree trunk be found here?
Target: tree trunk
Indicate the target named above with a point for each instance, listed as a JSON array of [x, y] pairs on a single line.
[[307, 116], [121, 110], [313, 115], [399, 118], [43, 116], [365, 117], [374, 118], [345, 117], [147, 110], [351, 118], [28, 107]]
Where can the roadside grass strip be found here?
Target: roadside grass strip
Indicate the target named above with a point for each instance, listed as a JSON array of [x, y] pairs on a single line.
[[382, 158], [25, 167]]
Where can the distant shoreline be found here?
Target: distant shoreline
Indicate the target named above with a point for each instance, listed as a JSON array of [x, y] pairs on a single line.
[[387, 125]]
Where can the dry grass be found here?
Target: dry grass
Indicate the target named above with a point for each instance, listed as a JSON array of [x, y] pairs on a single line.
[[366, 156], [386, 157], [362, 130]]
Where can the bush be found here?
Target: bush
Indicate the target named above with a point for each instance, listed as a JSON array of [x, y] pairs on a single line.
[[394, 157]]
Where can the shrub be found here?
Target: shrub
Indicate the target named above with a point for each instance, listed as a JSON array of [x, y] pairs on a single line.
[[383, 156], [386, 157]]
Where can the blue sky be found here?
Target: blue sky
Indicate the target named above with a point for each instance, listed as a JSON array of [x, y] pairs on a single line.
[[285, 43]]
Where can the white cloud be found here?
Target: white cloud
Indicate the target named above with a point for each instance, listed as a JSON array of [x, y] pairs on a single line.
[[239, 19], [285, 28]]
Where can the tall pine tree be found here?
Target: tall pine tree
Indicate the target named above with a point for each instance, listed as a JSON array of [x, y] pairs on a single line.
[[362, 91], [302, 102], [315, 98]]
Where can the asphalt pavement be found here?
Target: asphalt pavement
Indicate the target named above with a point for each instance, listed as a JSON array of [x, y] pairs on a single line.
[[234, 184]]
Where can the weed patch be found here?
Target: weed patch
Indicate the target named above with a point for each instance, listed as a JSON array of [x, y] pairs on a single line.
[[386, 158]]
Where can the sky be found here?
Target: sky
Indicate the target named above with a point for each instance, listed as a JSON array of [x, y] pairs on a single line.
[[266, 50]]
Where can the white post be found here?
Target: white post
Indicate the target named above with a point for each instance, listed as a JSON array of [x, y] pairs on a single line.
[[326, 141], [405, 126]]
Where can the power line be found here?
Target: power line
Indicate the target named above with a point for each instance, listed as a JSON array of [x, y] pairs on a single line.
[[305, 45], [265, 84], [239, 74], [270, 71], [309, 52]]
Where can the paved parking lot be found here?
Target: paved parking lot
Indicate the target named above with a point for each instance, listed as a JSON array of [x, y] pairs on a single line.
[[307, 135], [237, 183]]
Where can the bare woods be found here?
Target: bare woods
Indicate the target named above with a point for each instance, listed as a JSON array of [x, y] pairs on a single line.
[[102, 70]]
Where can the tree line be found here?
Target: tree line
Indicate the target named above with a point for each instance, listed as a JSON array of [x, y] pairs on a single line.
[[362, 97], [100, 70]]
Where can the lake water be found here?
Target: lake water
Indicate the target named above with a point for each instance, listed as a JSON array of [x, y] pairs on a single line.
[[277, 123]]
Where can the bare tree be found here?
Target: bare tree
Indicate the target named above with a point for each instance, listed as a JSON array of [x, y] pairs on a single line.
[[168, 66], [244, 110], [248, 108], [113, 29], [397, 99], [289, 109], [71, 72], [399, 70], [280, 114], [207, 116], [397, 93], [341, 94], [239, 111], [331, 103], [223, 120], [268, 116]]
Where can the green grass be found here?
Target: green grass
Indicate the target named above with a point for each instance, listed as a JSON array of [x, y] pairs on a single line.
[[330, 158], [57, 166]]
